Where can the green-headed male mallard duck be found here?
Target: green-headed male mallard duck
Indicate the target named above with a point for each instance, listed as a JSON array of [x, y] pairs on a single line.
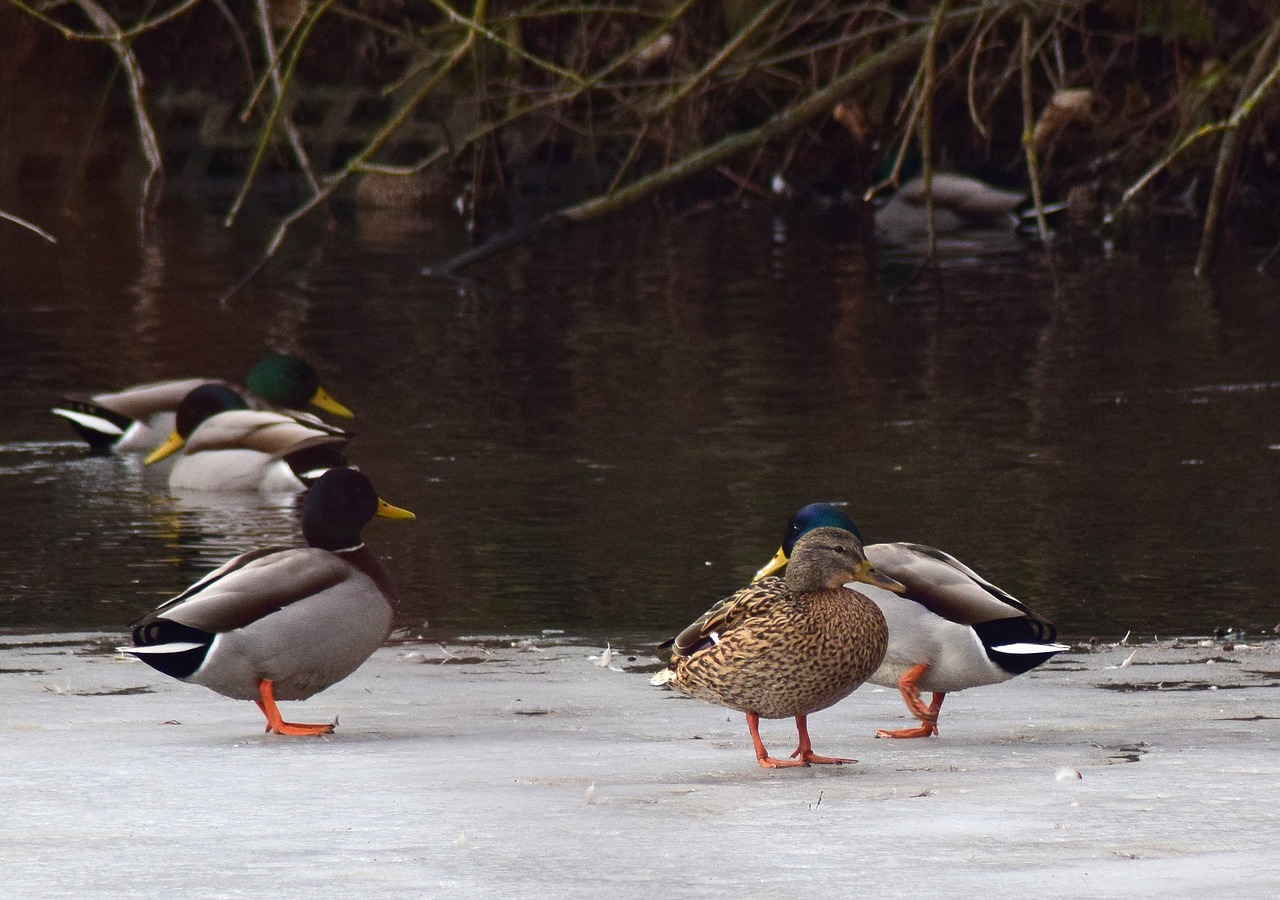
[[788, 648], [138, 419], [228, 447], [950, 630], [283, 623]]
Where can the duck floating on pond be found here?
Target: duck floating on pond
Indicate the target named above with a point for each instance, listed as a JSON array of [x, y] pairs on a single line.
[[138, 419], [225, 446]]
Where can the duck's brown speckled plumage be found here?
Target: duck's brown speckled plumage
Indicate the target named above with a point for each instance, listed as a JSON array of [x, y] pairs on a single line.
[[783, 653], [950, 629], [787, 648]]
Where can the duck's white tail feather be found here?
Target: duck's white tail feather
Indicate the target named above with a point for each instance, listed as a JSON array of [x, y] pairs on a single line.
[[93, 423], [1030, 648], [176, 647]]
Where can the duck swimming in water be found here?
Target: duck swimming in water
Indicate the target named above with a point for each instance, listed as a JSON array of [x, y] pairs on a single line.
[[138, 419]]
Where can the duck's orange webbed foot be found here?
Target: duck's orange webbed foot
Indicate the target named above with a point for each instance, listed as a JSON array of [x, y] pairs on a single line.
[[811, 758], [275, 722], [762, 755], [926, 729], [804, 754], [928, 715], [768, 762]]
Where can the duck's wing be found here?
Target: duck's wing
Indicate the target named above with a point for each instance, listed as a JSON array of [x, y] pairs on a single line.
[[305, 418], [113, 413], [145, 400], [750, 602], [252, 586], [272, 433], [950, 589]]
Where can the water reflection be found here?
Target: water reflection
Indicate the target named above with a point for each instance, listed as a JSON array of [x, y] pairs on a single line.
[[606, 431]]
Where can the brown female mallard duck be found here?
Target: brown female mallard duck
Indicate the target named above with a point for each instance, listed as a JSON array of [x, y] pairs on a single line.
[[949, 630], [139, 418], [790, 648], [283, 623]]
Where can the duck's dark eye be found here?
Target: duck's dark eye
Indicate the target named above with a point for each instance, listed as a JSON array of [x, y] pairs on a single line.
[[839, 548]]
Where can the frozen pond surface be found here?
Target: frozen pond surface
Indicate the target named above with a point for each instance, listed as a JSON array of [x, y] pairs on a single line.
[[521, 768]]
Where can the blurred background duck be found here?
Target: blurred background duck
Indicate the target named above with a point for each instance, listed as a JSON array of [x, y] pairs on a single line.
[[138, 419], [225, 446], [949, 630], [789, 647], [283, 623], [959, 202]]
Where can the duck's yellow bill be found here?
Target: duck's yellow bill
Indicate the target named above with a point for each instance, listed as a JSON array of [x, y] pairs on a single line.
[[387, 511], [172, 444], [779, 560], [869, 574], [322, 399]]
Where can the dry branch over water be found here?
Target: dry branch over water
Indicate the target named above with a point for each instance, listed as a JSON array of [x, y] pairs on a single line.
[[1159, 105]]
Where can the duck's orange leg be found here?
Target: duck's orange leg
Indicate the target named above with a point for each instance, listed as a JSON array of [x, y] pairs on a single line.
[[275, 722], [762, 755], [928, 715], [805, 751]]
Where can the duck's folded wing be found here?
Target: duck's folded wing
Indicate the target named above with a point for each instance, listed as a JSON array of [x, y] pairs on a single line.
[[947, 587], [142, 401], [728, 614], [252, 586], [272, 433], [114, 413]]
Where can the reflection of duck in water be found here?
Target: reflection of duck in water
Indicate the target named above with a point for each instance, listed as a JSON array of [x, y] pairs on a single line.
[[283, 623], [949, 630], [790, 647], [228, 447], [138, 419], [959, 202], [202, 529]]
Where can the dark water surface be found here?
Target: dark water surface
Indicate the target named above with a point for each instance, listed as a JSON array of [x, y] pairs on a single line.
[[606, 431]]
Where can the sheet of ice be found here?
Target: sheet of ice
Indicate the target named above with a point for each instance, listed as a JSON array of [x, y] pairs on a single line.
[[520, 769]]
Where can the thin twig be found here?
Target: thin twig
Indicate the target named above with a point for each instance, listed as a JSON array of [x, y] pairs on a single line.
[[272, 70], [128, 34], [245, 56], [476, 28], [361, 159], [18, 220], [1228, 151], [971, 81], [112, 33], [281, 83], [277, 88], [732, 46], [893, 179], [1233, 121], [815, 104], [926, 125], [1028, 131]]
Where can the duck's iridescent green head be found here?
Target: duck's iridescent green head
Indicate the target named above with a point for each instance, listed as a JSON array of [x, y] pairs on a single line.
[[202, 403], [815, 515], [291, 382]]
